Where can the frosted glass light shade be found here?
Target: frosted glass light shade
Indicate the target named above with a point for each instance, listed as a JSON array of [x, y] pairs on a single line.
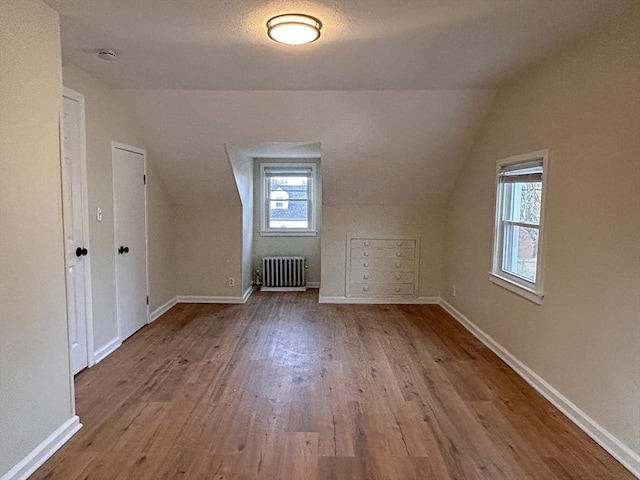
[[294, 29]]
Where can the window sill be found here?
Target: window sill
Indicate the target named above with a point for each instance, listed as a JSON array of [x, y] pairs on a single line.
[[287, 234], [510, 285]]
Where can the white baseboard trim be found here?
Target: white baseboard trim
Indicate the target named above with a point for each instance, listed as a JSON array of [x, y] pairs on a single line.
[[380, 300], [247, 294], [622, 453], [313, 284], [207, 299], [162, 309], [428, 300], [106, 350], [283, 289], [29, 464]]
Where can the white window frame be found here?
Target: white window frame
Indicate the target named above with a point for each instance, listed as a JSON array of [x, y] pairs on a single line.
[[265, 231], [532, 291]]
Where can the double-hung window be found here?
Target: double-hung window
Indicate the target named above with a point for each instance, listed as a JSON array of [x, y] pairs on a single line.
[[518, 234], [288, 199]]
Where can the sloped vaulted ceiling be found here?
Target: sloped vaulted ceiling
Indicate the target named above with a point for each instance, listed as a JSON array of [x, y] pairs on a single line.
[[401, 147], [395, 91]]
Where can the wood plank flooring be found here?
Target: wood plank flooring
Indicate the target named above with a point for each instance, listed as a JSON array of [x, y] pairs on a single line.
[[286, 388]]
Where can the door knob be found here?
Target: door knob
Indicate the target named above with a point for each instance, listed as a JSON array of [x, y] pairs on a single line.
[[122, 250], [81, 252]]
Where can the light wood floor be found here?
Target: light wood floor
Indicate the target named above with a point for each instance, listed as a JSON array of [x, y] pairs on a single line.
[[285, 388]]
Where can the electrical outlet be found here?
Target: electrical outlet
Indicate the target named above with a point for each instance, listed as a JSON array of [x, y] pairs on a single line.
[[454, 290], [232, 282]]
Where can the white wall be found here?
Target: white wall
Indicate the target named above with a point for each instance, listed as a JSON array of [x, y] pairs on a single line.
[[162, 240], [36, 391], [107, 121], [584, 104], [378, 147], [308, 247], [381, 222], [398, 149], [242, 166], [209, 250]]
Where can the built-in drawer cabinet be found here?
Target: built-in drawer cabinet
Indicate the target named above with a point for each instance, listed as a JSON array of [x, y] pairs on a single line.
[[382, 267], [381, 252], [381, 289], [369, 275], [382, 243]]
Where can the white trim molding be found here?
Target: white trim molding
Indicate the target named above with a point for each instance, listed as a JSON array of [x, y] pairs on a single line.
[[29, 464], [162, 309], [521, 290], [627, 457], [380, 300], [107, 349], [247, 294], [213, 299], [208, 299], [307, 169], [505, 201]]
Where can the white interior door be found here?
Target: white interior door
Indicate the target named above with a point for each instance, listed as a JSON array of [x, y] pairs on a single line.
[[130, 238], [75, 212]]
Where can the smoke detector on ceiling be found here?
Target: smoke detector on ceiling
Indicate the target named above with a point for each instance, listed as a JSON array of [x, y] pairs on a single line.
[[106, 54]]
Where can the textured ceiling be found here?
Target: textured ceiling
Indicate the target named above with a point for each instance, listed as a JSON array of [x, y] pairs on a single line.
[[393, 93], [365, 44]]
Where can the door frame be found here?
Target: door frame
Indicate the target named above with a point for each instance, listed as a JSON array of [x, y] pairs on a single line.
[[84, 193], [130, 148]]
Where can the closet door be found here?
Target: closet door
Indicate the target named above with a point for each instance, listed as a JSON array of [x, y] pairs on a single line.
[[130, 219], [76, 230]]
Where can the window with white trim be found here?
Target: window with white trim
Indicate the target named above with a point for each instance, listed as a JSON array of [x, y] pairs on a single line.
[[518, 235], [287, 199]]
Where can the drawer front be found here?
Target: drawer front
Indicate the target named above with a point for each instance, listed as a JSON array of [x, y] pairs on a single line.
[[360, 275], [380, 289], [383, 264], [368, 243], [405, 253]]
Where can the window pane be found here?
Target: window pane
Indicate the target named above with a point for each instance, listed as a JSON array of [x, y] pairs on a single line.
[[289, 214], [520, 251], [530, 201], [294, 187], [523, 202]]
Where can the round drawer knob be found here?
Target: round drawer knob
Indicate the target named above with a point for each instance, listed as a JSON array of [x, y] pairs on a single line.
[[366, 276], [399, 244], [366, 244], [397, 289], [398, 254], [365, 288], [398, 264], [366, 264], [398, 276], [366, 254]]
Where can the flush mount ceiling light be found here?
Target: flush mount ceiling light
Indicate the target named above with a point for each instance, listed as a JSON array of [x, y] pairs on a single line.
[[294, 28]]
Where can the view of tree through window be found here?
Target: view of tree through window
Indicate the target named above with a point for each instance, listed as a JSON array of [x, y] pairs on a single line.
[[521, 231]]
